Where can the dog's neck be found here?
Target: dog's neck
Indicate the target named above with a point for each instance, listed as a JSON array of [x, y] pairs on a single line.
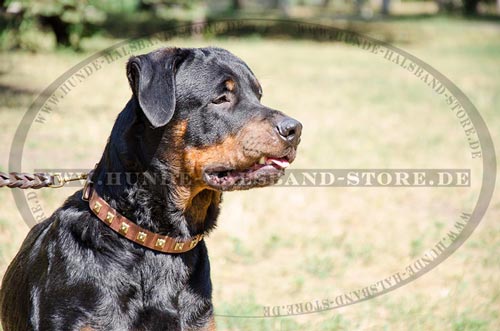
[[153, 197], [162, 207]]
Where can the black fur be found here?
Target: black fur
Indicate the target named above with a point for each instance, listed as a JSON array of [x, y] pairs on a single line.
[[73, 272]]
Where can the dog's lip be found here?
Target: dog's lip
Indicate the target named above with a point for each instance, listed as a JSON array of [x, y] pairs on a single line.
[[263, 172], [265, 175]]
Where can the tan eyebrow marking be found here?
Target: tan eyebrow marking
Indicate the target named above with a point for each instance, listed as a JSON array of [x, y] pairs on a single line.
[[230, 84]]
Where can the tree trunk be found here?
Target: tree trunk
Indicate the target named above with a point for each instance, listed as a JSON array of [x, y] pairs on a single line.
[[385, 7], [274, 4], [282, 5], [145, 6], [237, 5], [60, 29], [470, 7]]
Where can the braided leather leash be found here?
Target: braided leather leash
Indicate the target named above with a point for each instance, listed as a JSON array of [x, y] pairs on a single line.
[[35, 181]]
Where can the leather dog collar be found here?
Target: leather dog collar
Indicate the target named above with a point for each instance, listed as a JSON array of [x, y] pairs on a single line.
[[135, 233]]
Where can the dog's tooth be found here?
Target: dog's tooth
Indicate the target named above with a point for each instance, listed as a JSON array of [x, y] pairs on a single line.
[[262, 160]]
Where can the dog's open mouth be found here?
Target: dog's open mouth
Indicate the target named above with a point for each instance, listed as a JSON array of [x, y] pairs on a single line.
[[265, 172]]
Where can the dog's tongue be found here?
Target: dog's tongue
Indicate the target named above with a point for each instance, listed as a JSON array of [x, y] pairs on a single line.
[[280, 162]]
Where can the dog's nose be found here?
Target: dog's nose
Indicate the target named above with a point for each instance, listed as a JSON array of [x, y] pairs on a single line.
[[289, 130]]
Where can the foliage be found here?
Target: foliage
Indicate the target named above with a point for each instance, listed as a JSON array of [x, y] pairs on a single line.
[[69, 20], [23, 23]]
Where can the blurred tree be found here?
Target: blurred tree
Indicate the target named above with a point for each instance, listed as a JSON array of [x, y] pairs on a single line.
[[445, 6], [67, 19], [470, 7], [236, 5], [155, 5], [145, 5], [358, 6], [282, 5]]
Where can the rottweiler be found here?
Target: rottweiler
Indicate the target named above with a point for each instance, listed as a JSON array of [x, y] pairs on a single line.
[[127, 251]]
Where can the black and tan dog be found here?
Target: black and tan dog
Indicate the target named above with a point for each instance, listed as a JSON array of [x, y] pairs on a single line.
[[127, 252]]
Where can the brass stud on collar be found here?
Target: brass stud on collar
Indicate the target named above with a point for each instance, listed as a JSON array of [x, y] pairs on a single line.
[[141, 237], [160, 243], [124, 228], [109, 218], [196, 240], [97, 207], [178, 246]]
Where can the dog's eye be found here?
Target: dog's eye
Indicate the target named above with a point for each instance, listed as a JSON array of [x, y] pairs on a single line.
[[220, 99]]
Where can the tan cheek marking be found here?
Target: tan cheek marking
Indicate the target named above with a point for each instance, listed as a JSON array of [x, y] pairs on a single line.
[[197, 158], [178, 131], [175, 146], [181, 194], [196, 208], [252, 141]]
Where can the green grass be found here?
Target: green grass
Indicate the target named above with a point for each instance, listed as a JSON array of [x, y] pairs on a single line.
[[465, 323], [280, 246], [320, 267]]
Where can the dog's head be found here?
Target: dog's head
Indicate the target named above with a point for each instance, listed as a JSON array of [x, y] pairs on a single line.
[[204, 107]]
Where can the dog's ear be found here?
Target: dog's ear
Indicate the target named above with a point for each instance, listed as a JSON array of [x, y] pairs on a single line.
[[152, 79]]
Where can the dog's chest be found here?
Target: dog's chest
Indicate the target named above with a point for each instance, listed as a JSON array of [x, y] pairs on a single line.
[[153, 293]]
